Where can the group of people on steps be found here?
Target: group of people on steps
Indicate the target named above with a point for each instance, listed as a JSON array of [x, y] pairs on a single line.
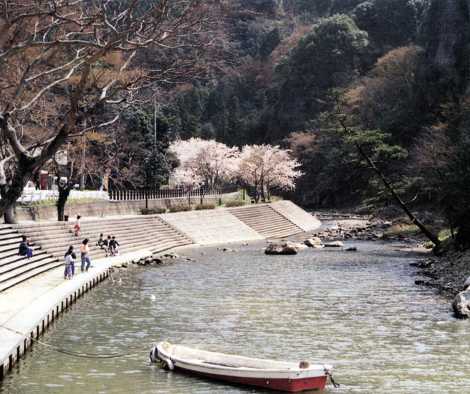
[[71, 257], [110, 245]]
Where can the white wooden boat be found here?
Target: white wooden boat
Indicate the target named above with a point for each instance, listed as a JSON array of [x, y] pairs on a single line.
[[276, 375]]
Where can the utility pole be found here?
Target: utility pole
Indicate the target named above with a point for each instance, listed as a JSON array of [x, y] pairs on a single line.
[[82, 164], [155, 122]]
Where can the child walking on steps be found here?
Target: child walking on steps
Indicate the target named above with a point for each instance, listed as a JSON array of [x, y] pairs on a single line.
[[77, 227], [70, 257]]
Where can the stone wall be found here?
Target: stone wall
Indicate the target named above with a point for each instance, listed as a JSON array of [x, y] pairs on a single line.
[[111, 208]]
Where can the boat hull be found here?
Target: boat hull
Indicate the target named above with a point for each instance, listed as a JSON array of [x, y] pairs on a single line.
[[270, 374], [287, 385]]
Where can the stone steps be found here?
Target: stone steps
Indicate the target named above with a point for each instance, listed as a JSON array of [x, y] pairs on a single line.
[[12, 252], [15, 269], [40, 254], [29, 265], [129, 243], [144, 233], [9, 238], [266, 221], [133, 233], [28, 274], [51, 240], [5, 230]]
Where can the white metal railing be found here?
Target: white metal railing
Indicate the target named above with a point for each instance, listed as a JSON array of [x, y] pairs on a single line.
[[138, 195], [33, 195]]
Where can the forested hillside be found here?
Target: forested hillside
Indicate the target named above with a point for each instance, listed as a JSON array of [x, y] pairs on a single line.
[[341, 83], [396, 70]]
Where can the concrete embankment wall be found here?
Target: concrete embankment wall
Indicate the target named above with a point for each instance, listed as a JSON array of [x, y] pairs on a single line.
[[297, 215], [112, 208], [211, 227], [242, 224]]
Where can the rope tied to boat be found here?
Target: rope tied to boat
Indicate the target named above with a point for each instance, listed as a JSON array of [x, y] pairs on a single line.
[[69, 352], [332, 380]]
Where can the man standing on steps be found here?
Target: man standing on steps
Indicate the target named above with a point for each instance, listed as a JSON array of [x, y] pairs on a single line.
[[85, 255]]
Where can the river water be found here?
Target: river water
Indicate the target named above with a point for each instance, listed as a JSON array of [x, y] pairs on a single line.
[[359, 311]]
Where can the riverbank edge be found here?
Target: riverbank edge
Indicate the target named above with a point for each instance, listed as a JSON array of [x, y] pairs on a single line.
[[27, 325], [446, 273]]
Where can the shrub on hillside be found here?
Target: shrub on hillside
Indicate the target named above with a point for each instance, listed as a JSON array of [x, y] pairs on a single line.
[[152, 211], [235, 203], [201, 207], [182, 208]]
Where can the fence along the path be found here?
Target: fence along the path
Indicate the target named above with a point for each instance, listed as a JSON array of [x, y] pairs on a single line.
[[153, 194]]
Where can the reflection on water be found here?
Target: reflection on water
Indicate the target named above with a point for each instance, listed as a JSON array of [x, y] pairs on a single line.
[[358, 311]]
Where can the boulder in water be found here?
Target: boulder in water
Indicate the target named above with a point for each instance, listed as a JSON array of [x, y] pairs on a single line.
[[157, 260], [285, 248], [314, 242], [335, 244], [461, 304], [466, 285]]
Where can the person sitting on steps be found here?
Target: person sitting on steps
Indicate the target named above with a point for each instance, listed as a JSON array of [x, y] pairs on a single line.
[[101, 243], [114, 246], [107, 241], [25, 249], [85, 255]]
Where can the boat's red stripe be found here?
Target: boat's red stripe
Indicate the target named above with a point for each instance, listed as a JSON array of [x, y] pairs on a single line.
[[289, 385]]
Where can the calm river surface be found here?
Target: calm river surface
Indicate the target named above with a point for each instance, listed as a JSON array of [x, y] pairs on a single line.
[[360, 312]]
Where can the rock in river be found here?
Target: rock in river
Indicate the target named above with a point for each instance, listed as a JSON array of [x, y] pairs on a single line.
[[314, 242], [466, 285], [461, 304], [285, 248], [335, 244]]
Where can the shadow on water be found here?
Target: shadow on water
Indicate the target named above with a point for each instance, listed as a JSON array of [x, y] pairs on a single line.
[[359, 311]]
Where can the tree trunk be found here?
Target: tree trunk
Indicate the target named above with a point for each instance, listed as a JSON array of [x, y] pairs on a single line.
[[10, 194], [9, 215], [463, 234], [428, 233], [263, 195], [64, 192], [8, 204]]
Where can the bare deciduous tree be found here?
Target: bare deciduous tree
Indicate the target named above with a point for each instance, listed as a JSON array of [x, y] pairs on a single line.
[[66, 65]]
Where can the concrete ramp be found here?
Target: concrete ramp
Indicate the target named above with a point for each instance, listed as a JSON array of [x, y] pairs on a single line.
[[266, 221], [209, 227], [297, 215]]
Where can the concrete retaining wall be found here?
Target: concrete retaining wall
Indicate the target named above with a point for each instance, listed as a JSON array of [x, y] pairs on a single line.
[[111, 208]]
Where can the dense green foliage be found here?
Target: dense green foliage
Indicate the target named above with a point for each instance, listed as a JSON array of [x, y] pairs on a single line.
[[142, 157], [395, 71]]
